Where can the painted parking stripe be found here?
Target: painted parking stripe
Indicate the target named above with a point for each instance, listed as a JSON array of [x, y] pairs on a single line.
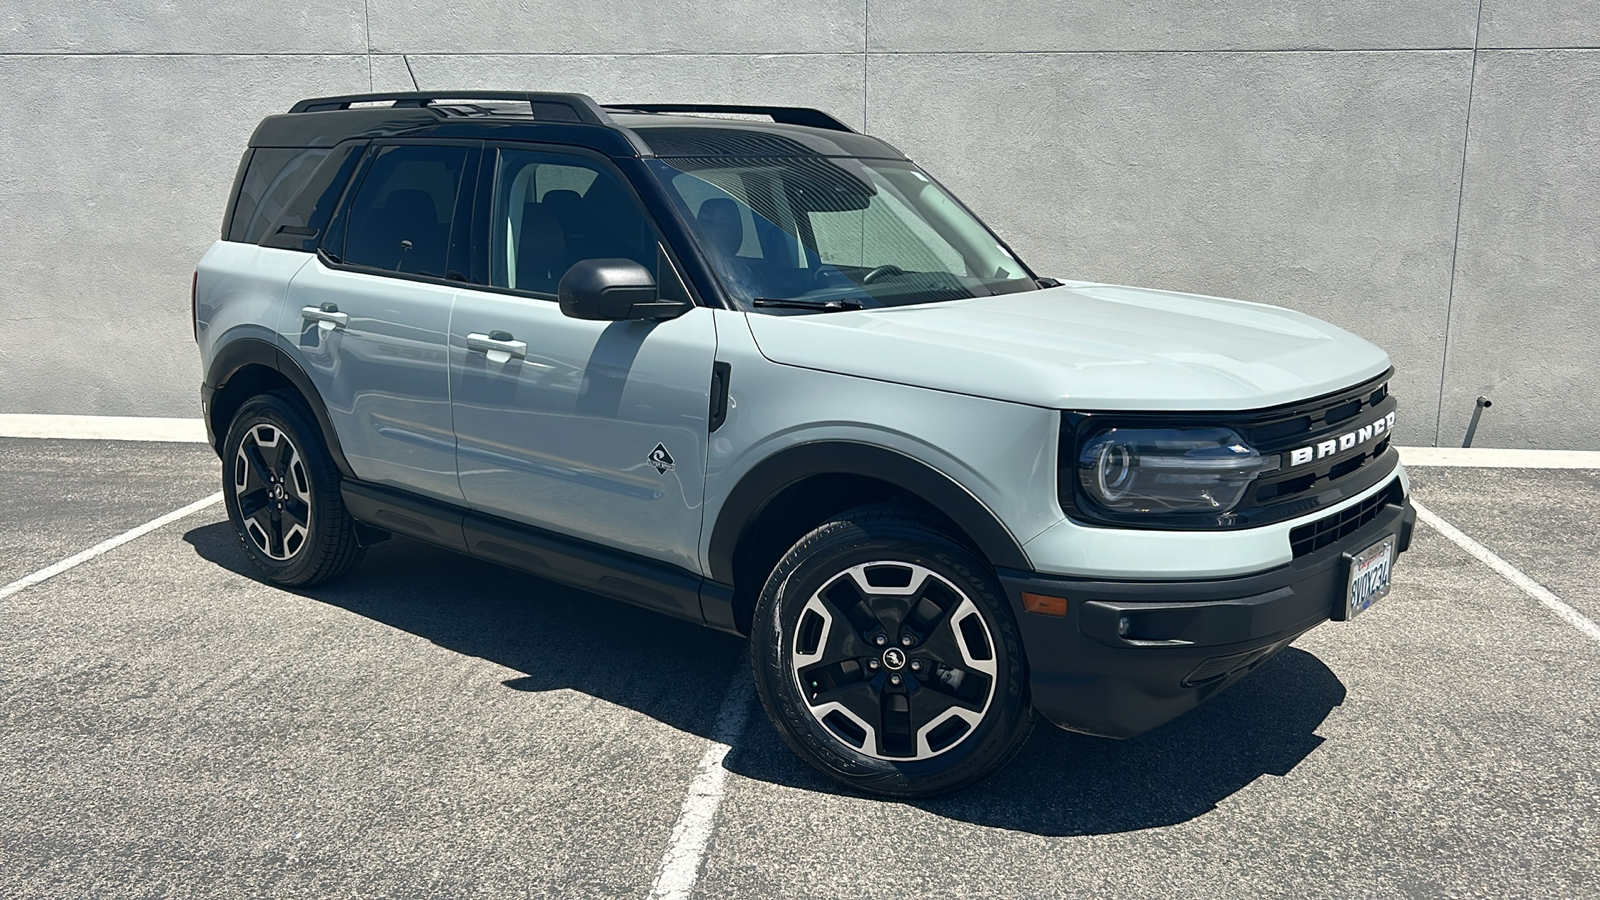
[[686, 850], [1511, 573], [22, 584], [1495, 458], [103, 428]]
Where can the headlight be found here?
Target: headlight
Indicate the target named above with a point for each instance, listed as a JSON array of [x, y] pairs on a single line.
[[1169, 470]]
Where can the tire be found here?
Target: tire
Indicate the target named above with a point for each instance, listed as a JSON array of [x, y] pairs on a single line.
[[282, 492], [827, 648]]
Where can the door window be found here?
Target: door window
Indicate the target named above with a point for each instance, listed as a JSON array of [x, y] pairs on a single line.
[[400, 217], [552, 210]]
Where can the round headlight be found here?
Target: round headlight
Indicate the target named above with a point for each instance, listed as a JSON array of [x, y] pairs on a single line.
[[1113, 471]]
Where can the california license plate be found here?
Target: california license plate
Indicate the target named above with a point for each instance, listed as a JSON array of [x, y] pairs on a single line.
[[1370, 574]]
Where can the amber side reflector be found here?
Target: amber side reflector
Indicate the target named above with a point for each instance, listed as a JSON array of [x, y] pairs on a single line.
[[1044, 606]]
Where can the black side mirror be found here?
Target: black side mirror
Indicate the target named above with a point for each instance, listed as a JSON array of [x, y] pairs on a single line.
[[611, 290]]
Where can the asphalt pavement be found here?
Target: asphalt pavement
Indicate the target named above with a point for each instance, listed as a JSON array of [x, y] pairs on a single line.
[[435, 726]]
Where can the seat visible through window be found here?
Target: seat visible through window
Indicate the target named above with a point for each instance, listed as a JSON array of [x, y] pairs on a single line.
[[400, 217]]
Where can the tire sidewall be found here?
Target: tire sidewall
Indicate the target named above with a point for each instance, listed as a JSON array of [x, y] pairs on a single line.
[[821, 556]]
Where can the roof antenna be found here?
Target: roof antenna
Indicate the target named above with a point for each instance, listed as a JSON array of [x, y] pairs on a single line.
[[411, 73]]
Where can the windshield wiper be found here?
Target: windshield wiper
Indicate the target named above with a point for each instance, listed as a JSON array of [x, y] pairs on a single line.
[[836, 305]]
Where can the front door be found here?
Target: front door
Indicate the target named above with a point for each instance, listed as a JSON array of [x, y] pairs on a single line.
[[595, 430]]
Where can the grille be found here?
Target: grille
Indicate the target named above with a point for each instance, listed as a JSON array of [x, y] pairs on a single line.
[[1313, 536]]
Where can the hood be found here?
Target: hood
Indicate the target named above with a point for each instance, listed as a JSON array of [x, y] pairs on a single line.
[[1084, 346]]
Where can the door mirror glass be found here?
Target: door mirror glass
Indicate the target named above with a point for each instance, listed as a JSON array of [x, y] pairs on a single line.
[[613, 290]]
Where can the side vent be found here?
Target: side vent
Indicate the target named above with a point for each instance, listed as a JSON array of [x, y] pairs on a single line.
[[720, 374]]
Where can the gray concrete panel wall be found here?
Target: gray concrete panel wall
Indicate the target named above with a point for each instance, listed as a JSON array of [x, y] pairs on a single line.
[[1312, 153], [1525, 319]]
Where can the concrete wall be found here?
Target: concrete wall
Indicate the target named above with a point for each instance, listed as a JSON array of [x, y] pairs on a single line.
[[1425, 173]]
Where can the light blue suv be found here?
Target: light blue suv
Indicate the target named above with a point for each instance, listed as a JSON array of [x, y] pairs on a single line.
[[745, 366]]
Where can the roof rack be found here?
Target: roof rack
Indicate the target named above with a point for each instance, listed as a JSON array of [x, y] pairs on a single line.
[[553, 107], [783, 115]]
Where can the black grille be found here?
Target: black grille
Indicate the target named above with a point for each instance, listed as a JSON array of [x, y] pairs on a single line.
[[1313, 536]]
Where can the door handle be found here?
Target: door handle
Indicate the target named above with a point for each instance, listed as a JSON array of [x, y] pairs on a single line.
[[326, 316], [497, 341]]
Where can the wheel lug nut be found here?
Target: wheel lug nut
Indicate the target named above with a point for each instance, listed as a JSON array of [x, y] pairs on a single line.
[[872, 664], [916, 665], [894, 679], [880, 640], [906, 640]]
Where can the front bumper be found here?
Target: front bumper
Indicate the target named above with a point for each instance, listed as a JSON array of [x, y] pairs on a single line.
[[1185, 641]]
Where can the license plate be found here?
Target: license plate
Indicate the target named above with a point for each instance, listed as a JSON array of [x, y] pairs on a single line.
[[1370, 574]]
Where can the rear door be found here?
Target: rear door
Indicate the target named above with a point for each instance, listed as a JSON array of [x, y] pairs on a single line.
[[597, 430], [371, 314]]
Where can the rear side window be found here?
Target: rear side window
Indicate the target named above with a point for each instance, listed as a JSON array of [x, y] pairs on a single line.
[[271, 180], [400, 216]]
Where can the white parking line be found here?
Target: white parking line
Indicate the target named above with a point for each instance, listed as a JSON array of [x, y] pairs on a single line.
[[103, 428], [49, 572], [1511, 573], [1495, 458], [680, 865]]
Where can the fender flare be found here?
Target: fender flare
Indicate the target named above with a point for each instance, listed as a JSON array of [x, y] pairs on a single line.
[[238, 354], [758, 487]]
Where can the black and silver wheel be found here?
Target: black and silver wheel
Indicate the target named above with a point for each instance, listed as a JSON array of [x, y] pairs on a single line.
[[885, 655], [282, 493]]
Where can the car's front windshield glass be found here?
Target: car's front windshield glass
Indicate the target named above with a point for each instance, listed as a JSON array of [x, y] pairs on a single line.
[[836, 233]]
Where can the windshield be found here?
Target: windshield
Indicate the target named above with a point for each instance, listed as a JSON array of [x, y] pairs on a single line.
[[802, 232]]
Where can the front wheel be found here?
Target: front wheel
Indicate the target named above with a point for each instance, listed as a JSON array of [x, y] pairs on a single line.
[[282, 492], [885, 655]]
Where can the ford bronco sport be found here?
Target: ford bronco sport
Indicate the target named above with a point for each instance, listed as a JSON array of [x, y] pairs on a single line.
[[748, 367]]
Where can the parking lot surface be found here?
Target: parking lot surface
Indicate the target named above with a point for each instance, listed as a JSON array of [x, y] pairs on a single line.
[[435, 726]]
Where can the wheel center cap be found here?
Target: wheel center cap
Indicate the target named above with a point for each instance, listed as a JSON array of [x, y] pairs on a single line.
[[894, 658], [277, 492]]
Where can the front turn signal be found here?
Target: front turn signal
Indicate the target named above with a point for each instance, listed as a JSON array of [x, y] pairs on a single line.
[[1044, 605]]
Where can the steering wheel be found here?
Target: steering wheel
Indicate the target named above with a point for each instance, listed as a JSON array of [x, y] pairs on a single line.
[[888, 271]]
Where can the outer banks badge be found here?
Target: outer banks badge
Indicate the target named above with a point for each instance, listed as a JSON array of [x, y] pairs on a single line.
[[660, 459]]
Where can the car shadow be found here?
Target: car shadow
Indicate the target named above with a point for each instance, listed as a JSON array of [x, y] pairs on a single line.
[[677, 672]]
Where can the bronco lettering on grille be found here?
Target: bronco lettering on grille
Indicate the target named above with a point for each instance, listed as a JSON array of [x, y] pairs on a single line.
[[1347, 441]]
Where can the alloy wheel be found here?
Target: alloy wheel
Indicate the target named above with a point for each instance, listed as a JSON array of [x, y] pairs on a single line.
[[894, 660], [273, 491]]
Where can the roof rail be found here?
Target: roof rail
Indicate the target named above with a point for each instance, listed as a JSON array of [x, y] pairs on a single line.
[[553, 107], [783, 115]]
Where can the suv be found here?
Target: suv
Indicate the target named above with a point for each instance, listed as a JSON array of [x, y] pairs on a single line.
[[750, 368]]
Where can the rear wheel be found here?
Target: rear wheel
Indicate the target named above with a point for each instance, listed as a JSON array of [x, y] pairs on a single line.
[[887, 658], [281, 489]]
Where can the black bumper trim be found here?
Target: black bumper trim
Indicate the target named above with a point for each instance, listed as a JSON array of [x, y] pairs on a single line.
[[1131, 655]]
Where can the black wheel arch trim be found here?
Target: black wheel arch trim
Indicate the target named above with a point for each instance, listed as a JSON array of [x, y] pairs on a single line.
[[763, 483], [238, 354]]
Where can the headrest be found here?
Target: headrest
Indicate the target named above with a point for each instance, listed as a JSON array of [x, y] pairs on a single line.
[[410, 203]]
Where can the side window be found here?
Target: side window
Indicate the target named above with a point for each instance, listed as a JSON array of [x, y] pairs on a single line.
[[302, 220], [273, 178], [551, 210], [400, 216]]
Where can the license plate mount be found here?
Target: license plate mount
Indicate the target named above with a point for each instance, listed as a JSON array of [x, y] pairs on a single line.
[[1368, 578]]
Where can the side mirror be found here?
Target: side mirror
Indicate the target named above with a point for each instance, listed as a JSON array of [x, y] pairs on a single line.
[[611, 290]]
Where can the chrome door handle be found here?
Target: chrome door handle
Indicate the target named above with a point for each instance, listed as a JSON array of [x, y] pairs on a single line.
[[497, 341], [327, 318]]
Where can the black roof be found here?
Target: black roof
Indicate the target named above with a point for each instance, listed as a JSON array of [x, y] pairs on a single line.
[[622, 130]]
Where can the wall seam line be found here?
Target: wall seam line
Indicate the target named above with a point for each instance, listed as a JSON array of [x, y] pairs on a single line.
[[1455, 244], [866, 59], [790, 53], [366, 19]]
